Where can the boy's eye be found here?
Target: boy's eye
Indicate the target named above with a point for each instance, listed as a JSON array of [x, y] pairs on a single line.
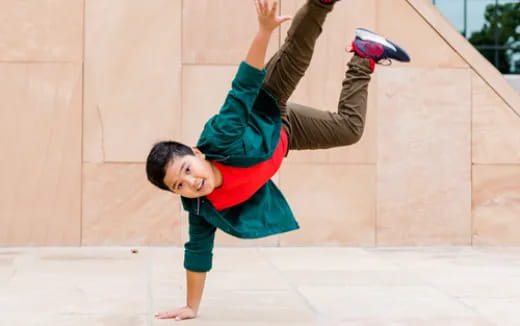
[[179, 186], [187, 170]]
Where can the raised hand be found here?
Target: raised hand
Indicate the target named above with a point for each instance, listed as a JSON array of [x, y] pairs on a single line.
[[267, 16]]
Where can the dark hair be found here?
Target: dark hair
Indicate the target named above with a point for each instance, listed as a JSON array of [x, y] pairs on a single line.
[[160, 156]]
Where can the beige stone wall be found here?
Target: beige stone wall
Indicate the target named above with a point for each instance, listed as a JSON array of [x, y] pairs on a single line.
[[87, 86]]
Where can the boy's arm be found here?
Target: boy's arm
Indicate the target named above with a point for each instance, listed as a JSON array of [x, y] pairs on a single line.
[[268, 21], [231, 122], [256, 54], [195, 286], [195, 282], [197, 261]]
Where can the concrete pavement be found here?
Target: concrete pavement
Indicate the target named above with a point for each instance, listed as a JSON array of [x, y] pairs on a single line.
[[263, 286]]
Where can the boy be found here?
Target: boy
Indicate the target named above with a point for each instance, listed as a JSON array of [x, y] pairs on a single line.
[[224, 182]]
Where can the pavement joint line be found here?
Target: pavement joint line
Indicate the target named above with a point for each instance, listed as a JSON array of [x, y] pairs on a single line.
[[460, 301], [12, 274], [149, 288], [288, 281], [429, 283]]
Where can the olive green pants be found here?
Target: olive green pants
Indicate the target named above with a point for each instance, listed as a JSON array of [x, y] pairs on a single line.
[[310, 128]]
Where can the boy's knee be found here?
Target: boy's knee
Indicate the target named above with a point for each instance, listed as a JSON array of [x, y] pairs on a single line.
[[353, 136], [355, 139]]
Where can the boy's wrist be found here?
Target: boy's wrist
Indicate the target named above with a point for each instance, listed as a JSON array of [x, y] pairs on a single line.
[[265, 31], [192, 307]]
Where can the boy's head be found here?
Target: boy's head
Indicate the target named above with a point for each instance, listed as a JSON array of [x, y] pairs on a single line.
[[175, 167]]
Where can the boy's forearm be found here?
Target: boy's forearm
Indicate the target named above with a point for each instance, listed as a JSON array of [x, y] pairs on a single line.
[[195, 286], [257, 50]]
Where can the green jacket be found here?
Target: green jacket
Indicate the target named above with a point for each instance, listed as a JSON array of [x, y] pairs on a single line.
[[245, 132]]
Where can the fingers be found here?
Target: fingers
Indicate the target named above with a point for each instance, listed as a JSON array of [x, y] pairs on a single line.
[[273, 9], [258, 6], [166, 315], [177, 314], [283, 19], [268, 15], [262, 7], [265, 6]]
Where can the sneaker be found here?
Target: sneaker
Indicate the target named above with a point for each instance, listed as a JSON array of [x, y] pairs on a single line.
[[328, 2], [369, 45]]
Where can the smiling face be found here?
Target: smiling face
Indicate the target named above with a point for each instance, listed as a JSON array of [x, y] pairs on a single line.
[[192, 176]]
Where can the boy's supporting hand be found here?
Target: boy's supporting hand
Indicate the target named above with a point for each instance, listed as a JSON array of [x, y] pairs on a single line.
[[179, 314], [195, 285], [268, 19]]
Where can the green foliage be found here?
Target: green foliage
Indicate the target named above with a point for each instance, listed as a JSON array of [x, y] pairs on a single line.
[[504, 26]]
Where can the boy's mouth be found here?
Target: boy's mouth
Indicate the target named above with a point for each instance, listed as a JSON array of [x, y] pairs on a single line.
[[201, 185]]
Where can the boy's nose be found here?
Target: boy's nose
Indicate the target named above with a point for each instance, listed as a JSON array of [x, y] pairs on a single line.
[[191, 180]]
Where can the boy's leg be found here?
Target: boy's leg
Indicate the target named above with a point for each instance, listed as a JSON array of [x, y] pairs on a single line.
[[288, 65], [313, 129]]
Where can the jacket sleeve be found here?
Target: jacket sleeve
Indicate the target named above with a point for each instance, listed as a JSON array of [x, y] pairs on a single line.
[[231, 121], [198, 251]]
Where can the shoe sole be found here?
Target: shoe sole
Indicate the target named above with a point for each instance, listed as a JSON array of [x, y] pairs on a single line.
[[367, 35]]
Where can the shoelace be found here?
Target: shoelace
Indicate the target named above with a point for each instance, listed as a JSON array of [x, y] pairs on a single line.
[[385, 62]]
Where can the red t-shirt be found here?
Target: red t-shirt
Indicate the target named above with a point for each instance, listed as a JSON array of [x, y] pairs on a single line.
[[239, 184]]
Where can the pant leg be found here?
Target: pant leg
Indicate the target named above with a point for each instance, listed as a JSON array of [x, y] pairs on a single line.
[[288, 65], [314, 129]]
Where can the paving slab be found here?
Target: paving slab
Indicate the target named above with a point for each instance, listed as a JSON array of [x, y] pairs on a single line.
[[257, 286]]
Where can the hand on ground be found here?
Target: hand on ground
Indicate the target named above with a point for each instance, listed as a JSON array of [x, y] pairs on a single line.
[[178, 314]]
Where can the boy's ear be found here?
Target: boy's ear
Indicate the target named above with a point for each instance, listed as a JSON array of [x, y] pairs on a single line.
[[198, 153]]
